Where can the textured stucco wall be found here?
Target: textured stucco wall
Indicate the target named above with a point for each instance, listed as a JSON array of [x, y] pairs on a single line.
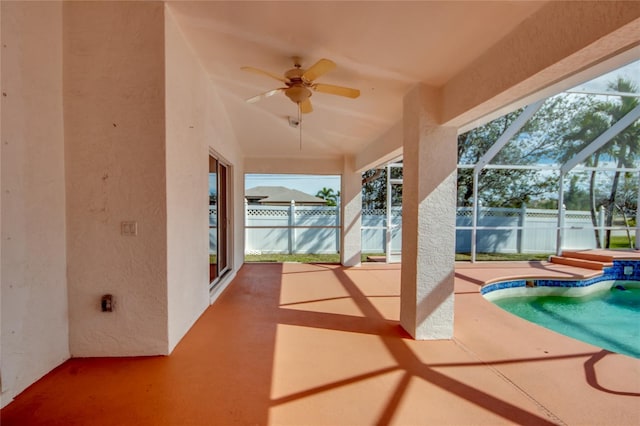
[[196, 122], [187, 184], [34, 294], [428, 218], [1, 237], [2, 401], [351, 214], [115, 171]]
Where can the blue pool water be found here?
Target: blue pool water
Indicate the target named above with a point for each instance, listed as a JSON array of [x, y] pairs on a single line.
[[609, 319]]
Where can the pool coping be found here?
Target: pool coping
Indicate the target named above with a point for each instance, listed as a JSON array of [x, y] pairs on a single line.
[[623, 269]]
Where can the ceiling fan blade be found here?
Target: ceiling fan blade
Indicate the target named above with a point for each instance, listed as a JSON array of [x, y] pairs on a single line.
[[321, 67], [337, 90], [263, 72], [305, 106], [265, 95]]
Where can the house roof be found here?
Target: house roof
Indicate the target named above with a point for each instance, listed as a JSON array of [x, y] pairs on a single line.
[[280, 194]]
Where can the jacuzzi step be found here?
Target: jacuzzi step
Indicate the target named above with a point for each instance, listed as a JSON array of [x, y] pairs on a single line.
[[580, 263], [588, 255]]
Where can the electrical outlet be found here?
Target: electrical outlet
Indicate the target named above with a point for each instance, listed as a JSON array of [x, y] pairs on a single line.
[[106, 303]]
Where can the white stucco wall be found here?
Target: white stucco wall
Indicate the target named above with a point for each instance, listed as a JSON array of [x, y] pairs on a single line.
[[195, 122], [34, 295], [187, 184], [115, 171], [351, 214], [1, 191], [428, 218]]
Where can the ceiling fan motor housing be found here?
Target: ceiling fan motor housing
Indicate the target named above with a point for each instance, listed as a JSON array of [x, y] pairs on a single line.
[[294, 74]]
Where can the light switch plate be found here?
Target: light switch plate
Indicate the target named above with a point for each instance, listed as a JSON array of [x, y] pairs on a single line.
[[129, 229]]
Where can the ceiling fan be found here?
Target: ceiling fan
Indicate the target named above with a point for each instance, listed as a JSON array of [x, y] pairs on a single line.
[[299, 83]]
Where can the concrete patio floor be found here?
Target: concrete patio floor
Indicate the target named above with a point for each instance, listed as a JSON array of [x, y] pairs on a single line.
[[315, 344]]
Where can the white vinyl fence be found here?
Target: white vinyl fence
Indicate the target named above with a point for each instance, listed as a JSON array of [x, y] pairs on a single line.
[[534, 230], [306, 229], [374, 230], [292, 229]]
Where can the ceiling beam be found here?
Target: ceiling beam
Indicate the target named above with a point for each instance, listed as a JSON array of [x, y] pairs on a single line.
[[573, 35]]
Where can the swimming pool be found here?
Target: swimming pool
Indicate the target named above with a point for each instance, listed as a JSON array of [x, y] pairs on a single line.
[[603, 311]]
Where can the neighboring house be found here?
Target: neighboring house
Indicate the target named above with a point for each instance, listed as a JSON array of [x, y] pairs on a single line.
[[280, 196]]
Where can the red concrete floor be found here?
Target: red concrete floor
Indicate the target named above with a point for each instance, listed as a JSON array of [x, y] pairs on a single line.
[[293, 344]]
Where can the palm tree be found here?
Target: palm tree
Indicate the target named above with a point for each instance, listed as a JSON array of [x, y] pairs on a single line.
[[623, 148], [329, 195], [589, 124]]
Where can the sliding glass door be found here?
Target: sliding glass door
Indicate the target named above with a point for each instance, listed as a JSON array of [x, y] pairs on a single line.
[[218, 219]]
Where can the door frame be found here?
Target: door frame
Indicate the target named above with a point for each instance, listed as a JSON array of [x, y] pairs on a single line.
[[229, 211]]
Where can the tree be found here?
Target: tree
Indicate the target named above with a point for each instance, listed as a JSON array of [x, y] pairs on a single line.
[[627, 197], [625, 145], [329, 195], [563, 127], [535, 143], [588, 124], [623, 149], [576, 197], [374, 188]]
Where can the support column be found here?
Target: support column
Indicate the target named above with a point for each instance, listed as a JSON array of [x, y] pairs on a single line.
[[428, 218], [351, 214]]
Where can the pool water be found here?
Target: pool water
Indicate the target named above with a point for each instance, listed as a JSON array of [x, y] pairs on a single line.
[[609, 319]]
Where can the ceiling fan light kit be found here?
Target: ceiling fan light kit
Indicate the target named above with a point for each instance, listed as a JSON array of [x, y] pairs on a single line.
[[298, 94]]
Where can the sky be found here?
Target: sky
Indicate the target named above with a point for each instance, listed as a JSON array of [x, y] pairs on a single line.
[[630, 72], [309, 184]]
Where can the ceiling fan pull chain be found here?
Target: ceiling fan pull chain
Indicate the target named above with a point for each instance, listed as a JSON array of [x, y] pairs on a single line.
[[300, 123]]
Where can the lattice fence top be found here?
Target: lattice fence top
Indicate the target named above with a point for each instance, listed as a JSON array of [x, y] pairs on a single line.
[[308, 211], [546, 214], [395, 211], [270, 212], [577, 215], [490, 213], [316, 212], [530, 213], [500, 213]]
